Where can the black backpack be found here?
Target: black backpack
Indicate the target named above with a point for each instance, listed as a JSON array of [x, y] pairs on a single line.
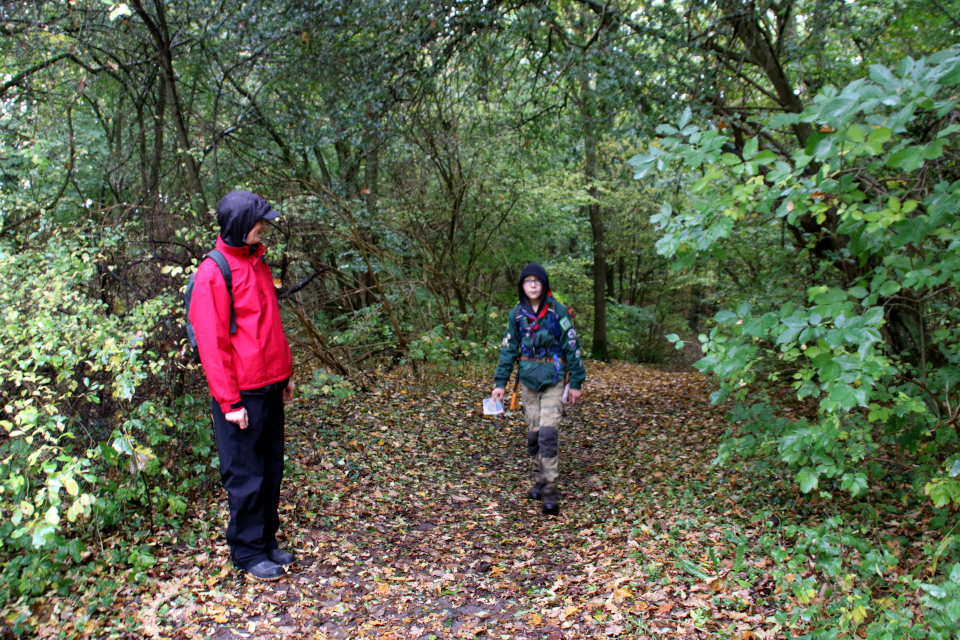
[[221, 261]]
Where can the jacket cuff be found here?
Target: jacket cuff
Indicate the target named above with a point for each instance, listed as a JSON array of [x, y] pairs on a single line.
[[575, 385], [501, 384], [229, 407]]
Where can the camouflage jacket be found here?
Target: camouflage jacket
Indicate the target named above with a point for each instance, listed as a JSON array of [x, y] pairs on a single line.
[[538, 375]]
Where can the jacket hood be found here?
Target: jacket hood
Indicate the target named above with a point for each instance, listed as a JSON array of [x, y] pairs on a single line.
[[237, 212], [533, 269]]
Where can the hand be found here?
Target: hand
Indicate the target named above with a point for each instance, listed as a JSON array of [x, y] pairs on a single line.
[[498, 394], [573, 397], [288, 391], [238, 417]]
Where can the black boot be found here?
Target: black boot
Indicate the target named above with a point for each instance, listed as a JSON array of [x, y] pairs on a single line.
[[536, 491], [265, 570], [551, 503], [279, 556]]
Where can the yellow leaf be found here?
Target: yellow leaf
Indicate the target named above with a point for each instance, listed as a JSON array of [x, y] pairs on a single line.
[[535, 620], [383, 589], [858, 614]]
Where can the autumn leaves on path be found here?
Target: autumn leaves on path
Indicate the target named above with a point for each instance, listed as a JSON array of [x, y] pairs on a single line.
[[408, 512]]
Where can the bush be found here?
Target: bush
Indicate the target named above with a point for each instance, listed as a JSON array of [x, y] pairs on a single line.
[[82, 450], [872, 199]]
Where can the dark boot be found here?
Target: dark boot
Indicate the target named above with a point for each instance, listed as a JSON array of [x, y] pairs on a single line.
[[279, 556], [551, 503], [536, 491], [265, 570]]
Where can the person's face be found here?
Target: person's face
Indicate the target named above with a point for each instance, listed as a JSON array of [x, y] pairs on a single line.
[[532, 287], [253, 236]]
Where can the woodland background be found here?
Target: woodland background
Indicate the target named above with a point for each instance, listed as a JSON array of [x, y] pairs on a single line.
[[776, 182]]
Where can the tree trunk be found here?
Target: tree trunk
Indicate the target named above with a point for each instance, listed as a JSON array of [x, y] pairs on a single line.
[[371, 146], [620, 268], [611, 277], [761, 51], [162, 41], [347, 168], [158, 127], [599, 351]]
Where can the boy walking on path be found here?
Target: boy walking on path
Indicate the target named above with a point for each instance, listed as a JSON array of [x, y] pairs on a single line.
[[541, 334], [248, 367]]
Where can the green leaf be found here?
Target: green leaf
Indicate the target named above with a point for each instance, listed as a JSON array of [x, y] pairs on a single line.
[[889, 288], [832, 296], [807, 479], [730, 159], [723, 316], [881, 75], [879, 136], [909, 159], [765, 157], [122, 445], [942, 491], [855, 483], [873, 316]]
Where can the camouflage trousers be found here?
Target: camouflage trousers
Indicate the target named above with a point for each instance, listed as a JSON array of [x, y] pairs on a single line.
[[542, 410]]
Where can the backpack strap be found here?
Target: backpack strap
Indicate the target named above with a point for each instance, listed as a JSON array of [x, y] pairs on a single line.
[[221, 261]]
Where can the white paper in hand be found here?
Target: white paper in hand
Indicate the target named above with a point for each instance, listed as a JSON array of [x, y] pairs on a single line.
[[492, 407]]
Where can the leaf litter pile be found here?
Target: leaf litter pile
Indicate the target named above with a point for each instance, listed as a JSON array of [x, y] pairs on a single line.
[[408, 512]]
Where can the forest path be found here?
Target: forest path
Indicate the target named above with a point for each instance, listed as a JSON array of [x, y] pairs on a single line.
[[409, 515]]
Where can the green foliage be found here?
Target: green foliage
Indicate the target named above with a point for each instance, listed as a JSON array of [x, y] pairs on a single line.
[[442, 345], [636, 333], [870, 336], [324, 384], [833, 347], [943, 604], [68, 352], [82, 451]]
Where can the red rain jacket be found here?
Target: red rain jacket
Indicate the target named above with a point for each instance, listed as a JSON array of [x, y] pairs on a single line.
[[258, 353]]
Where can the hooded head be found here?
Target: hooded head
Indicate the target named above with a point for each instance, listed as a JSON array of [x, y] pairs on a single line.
[[533, 269], [237, 212]]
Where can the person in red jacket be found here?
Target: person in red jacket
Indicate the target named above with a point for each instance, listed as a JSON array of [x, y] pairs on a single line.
[[249, 373]]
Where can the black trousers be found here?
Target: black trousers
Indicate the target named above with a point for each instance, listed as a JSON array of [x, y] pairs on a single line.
[[251, 467]]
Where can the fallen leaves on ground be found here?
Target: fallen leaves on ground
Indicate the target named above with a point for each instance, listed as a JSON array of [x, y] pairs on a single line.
[[409, 515], [408, 512]]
